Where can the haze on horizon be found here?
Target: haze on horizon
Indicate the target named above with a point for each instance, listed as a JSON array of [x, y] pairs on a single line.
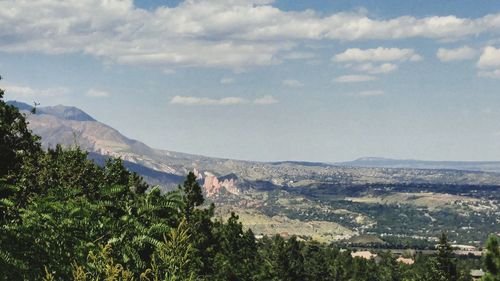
[[268, 80]]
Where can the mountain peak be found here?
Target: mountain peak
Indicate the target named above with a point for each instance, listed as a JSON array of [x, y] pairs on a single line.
[[20, 105], [65, 112], [60, 111]]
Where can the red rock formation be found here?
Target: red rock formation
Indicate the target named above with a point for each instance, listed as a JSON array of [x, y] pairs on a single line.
[[213, 186]]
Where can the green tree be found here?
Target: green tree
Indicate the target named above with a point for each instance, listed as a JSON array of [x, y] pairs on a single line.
[[445, 258], [234, 244], [432, 271], [192, 195], [16, 140], [492, 259]]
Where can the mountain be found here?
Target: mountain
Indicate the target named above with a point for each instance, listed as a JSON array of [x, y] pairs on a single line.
[[379, 162], [60, 111], [396, 200], [71, 126]]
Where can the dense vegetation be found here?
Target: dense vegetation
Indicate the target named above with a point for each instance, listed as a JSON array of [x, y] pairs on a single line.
[[462, 223], [63, 217]]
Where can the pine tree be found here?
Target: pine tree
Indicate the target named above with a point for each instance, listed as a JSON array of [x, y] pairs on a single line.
[[445, 258], [492, 259], [192, 195]]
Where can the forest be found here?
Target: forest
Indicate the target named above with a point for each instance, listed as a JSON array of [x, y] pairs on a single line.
[[63, 217]]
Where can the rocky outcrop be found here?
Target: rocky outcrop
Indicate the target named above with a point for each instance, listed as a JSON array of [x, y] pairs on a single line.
[[213, 186]]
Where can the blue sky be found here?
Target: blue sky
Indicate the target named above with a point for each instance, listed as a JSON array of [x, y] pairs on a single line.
[[268, 80]]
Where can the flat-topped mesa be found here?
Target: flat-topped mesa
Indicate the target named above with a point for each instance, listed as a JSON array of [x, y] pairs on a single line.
[[213, 186]]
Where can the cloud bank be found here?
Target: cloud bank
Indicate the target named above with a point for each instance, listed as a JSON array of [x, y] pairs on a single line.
[[462, 53], [15, 91], [354, 78], [187, 100], [93, 93], [227, 33]]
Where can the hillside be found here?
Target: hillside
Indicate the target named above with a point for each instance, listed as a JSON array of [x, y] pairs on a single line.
[[324, 201]]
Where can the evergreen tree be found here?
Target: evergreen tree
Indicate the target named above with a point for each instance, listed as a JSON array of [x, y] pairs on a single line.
[[192, 195], [234, 244], [445, 258], [315, 262], [492, 259]]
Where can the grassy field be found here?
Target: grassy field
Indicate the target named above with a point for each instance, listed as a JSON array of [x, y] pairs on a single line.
[[261, 224]]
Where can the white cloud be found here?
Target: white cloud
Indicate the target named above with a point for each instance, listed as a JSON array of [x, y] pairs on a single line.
[[462, 53], [370, 93], [376, 61], [490, 58], [207, 101], [494, 74], [183, 100], [354, 78], [489, 63], [97, 93], [22, 91], [228, 33], [226, 80], [379, 54], [299, 55], [376, 68], [265, 100], [292, 83], [168, 71]]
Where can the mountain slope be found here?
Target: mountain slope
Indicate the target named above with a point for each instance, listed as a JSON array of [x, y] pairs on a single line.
[[71, 126], [325, 201]]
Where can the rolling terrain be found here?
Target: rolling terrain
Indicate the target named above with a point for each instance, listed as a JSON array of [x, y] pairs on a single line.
[[396, 200]]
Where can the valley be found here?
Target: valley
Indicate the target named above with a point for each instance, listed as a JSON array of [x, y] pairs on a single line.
[[328, 202]]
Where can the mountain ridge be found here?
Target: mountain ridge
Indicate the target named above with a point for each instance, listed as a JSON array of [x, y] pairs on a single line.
[[71, 113], [324, 201], [69, 126]]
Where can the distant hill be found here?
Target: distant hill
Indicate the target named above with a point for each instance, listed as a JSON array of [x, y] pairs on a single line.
[[379, 162]]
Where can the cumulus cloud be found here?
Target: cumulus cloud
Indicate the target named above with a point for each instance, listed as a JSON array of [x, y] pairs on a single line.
[[489, 63], [207, 101], [228, 33], [494, 74], [376, 61], [22, 91], [370, 93], [183, 100], [168, 71], [265, 100], [376, 68], [490, 58], [298, 55], [93, 93], [292, 83], [379, 54], [462, 53], [226, 80], [354, 78]]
